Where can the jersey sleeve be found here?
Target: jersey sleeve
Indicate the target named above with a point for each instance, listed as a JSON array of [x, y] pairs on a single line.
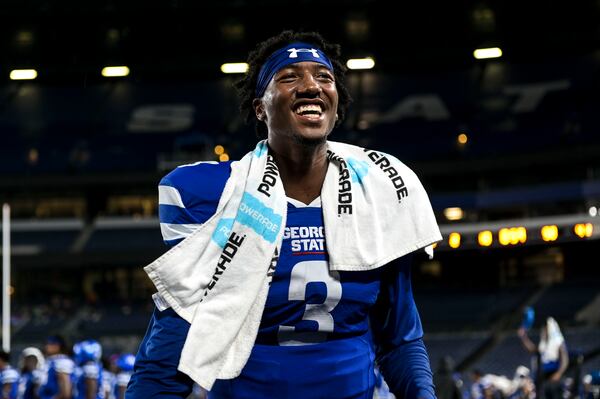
[[91, 371], [123, 379], [64, 365], [188, 196], [10, 376], [397, 333], [155, 369], [395, 319]]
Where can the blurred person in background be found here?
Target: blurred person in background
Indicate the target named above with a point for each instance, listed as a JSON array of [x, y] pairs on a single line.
[[109, 378], [57, 379], [88, 373], [500, 386], [477, 390], [9, 377], [125, 364], [32, 364], [314, 338], [523, 386], [553, 358], [446, 386], [495, 386], [591, 385]]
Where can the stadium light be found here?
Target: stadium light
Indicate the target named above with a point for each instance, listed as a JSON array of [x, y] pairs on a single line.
[[485, 238], [219, 149], [521, 233], [549, 233], [234, 67], [512, 236], [462, 138], [583, 230], [360, 63], [23, 74], [504, 236], [115, 71], [454, 213], [33, 156], [24, 38], [484, 53], [454, 240], [224, 157]]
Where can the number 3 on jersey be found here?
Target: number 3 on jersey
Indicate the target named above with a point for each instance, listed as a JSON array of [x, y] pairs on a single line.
[[302, 274]]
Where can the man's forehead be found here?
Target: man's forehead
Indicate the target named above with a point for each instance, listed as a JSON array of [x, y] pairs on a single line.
[[305, 64]]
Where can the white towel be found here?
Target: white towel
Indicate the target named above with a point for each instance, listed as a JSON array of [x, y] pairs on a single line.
[[549, 348], [375, 210]]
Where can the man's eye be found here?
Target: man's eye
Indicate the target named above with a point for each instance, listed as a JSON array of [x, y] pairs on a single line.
[[325, 76]]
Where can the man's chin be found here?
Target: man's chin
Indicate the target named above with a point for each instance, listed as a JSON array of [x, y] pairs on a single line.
[[311, 140]]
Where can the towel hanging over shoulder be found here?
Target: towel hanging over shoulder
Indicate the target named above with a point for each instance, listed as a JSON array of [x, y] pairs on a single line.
[[375, 210]]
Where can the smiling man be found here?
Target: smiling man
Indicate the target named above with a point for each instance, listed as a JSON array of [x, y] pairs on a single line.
[[329, 235]]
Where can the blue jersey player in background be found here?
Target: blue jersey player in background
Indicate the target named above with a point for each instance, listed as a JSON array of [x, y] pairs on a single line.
[[125, 364], [9, 377], [321, 331], [32, 365], [87, 377], [59, 368]]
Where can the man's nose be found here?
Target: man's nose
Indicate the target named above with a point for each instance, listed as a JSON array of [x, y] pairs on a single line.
[[309, 85]]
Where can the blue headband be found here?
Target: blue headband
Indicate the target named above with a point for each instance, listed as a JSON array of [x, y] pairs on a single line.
[[290, 54]]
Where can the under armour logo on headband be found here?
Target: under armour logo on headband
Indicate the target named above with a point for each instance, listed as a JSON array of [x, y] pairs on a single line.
[[294, 52]]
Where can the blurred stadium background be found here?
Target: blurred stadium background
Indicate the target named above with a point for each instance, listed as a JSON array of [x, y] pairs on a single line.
[[507, 147]]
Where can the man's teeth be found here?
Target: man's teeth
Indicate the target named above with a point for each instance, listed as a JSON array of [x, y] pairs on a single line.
[[309, 108]]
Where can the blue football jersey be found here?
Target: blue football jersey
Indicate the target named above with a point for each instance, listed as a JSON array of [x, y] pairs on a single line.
[[28, 383], [90, 370], [109, 381], [307, 303], [121, 381], [55, 364], [10, 376], [314, 339]]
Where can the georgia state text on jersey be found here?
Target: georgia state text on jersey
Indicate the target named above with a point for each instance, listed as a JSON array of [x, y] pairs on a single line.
[[314, 338]]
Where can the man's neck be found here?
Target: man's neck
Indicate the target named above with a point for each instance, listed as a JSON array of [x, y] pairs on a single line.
[[302, 169]]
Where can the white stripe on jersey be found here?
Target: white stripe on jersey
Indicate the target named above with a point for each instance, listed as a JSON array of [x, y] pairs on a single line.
[[168, 195], [198, 163], [172, 231]]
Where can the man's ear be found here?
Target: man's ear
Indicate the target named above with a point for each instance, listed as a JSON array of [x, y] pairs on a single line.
[[259, 109]]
